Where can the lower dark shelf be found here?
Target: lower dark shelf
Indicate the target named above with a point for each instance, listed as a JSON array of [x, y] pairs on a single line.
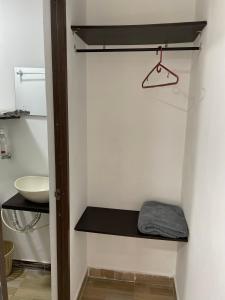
[[114, 222], [18, 202]]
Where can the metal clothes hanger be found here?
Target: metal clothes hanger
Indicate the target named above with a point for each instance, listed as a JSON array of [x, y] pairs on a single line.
[[159, 68]]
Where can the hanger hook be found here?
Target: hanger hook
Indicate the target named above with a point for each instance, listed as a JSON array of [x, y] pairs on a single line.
[[161, 51], [159, 69]]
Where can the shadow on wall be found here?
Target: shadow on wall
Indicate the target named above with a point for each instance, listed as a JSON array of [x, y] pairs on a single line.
[[32, 246], [189, 181], [29, 140], [190, 175]]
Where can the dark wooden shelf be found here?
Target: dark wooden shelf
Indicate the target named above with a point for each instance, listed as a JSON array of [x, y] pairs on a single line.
[[18, 202], [168, 33], [17, 114], [114, 222], [2, 117]]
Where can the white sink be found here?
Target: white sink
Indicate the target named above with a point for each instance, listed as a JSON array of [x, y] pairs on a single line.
[[33, 188]]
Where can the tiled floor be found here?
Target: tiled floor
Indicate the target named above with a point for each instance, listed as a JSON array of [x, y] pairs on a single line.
[[29, 285], [35, 285], [101, 289]]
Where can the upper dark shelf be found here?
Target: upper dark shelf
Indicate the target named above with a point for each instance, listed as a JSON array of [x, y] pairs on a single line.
[[170, 33], [18, 202], [114, 222]]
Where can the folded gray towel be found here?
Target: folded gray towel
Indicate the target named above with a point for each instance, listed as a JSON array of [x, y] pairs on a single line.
[[161, 219]]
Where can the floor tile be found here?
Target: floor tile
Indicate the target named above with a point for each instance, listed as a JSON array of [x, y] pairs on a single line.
[[29, 285], [11, 291]]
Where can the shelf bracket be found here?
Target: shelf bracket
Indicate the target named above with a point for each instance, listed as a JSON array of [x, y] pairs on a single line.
[[7, 156]]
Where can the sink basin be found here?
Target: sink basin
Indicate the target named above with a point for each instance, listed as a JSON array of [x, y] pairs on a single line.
[[33, 188]]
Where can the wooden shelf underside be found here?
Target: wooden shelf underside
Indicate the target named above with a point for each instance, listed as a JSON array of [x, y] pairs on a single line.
[[18, 202], [170, 33]]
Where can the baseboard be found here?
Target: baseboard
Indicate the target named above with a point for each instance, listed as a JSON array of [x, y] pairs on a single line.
[[128, 276], [26, 264], [153, 280], [176, 288], [83, 284]]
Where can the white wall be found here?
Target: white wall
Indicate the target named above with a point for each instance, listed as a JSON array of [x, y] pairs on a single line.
[[135, 137], [139, 11], [22, 44], [76, 11], [201, 264]]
